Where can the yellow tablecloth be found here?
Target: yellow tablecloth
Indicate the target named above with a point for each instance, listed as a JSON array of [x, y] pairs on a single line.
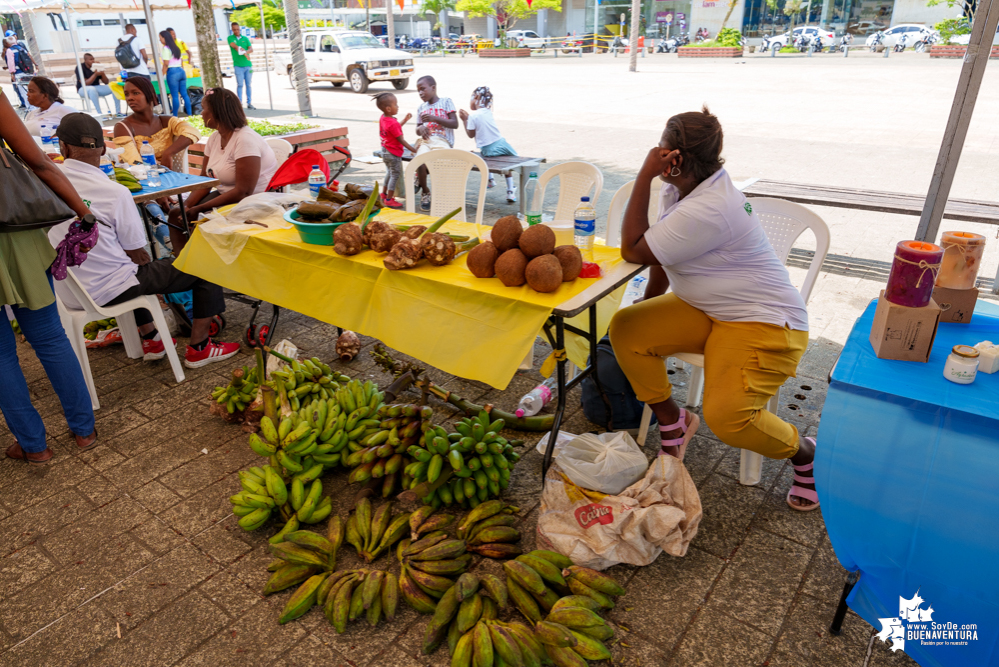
[[470, 327]]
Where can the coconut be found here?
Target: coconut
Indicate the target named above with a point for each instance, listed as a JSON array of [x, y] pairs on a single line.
[[571, 260], [537, 240], [510, 267], [506, 232], [481, 260], [347, 240], [544, 273], [439, 249]]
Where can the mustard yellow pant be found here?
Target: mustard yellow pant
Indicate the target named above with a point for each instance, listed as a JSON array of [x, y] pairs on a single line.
[[745, 364]]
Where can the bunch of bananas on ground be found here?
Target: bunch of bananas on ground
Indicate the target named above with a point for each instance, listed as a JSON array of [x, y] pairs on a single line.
[[90, 329], [538, 579], [476, 455], [265, 491], [125, 177], [240, 392], [428, 565], [489, 530], [304, 382], [573, 633], [346, 595], [373, 533], [381, 454], [304, 559]]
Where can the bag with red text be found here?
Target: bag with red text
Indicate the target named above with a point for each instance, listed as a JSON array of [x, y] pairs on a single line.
[[660, 512]]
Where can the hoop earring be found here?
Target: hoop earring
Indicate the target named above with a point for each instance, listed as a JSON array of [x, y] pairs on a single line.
[[674, 172]]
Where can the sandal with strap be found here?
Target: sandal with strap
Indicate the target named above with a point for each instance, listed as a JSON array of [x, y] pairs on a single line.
[[688, 428], [800, 491]]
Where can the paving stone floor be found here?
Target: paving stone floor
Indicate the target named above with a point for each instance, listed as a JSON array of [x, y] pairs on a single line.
[[128, 554]]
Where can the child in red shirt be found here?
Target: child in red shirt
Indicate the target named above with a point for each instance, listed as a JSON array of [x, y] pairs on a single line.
[[392, 144]]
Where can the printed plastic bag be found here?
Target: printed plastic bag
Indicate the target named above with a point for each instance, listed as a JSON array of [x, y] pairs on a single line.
[[608, 462], [658, 513]]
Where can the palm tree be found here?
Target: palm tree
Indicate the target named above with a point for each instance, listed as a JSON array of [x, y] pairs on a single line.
[[436, 7]]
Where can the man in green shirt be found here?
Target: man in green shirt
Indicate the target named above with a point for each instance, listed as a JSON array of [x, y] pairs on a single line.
[[241, 49]]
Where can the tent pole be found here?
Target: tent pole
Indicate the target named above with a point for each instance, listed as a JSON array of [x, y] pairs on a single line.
[[154, 41], [267, 63], [76, 57], [968, 84]]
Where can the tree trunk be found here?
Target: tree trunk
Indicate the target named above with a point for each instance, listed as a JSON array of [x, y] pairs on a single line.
[[208, 50], [636, 20], [390, 23], [298, 57], [728, 15], [29, 37]]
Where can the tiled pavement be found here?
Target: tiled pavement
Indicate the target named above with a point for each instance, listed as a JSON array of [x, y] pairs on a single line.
[[128, 554]]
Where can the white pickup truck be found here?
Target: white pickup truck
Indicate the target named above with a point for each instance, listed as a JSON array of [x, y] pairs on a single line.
[[349, 56]]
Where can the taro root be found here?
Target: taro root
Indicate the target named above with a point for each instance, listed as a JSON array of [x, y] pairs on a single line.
[[439, 249], [510, 267], [571, 260], [319, 210], [404, 255], [506, 233], [481, 260], [348, 345], [384, 240], [537, 240], [347, 240], [544, 273], [374, 227], [414, 232]]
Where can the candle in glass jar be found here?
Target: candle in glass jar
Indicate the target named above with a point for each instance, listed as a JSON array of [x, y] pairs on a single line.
[[913, 272], [961, 260]]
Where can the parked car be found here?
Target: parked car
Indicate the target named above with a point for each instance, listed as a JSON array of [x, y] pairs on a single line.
[[912, 32], [349, 56], [806, 32], [526, 39]]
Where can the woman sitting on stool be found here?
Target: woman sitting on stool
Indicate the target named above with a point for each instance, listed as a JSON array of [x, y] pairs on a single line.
[[732, 301]]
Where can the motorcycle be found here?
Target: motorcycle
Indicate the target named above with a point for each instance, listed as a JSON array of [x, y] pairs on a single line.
[[845, 41], [879, 37], [925, 42], [571, 44], [900, 44], [816, 46], [801, 43], [672, 44], [765, 46]]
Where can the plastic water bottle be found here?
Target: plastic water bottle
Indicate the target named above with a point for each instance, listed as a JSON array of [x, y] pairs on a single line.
[[635, 291], [317, 179], [107, 167], [585, 228], [532, 402], [45, 130], [149, 158], [533, 214]]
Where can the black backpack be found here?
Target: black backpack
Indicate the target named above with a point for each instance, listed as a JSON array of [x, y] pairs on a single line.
[[21, 60], [125, 55], [626, 408]]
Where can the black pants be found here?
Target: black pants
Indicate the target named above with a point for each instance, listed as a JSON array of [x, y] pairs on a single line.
[[160, 277]]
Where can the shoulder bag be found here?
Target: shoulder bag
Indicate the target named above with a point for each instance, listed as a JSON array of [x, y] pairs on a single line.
[[25, 201]]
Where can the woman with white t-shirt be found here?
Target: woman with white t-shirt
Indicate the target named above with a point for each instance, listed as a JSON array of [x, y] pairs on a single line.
[[46, 105], [732, 301], [481, 126], [234, 154]]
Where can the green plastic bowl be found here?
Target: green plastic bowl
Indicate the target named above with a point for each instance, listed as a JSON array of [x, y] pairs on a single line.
[[316, 233]]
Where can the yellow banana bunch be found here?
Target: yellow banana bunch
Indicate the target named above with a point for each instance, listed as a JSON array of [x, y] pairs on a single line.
[[125, 177]]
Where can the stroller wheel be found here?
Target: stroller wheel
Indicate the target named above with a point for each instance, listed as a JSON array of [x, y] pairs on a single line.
[[217, 326], [251, 335]]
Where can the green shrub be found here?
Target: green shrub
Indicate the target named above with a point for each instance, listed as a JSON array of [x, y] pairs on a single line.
[[262, 127], [728, 37], [788, 49], [951, 28]]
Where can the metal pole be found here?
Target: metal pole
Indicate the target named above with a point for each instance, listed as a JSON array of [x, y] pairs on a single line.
[[596, 10], [154, 40], [636, 20], [267, 64], [968, 84], [76, 56]]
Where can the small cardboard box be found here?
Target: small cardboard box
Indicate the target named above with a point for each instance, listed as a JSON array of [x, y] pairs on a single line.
[[902, 333], [956, 305]]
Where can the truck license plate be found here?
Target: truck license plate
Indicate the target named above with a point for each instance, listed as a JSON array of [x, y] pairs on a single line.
[[393, 72]]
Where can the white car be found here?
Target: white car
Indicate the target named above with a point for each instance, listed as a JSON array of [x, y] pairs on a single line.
[[912, 32], [527, 39], [349, 56], [810, 31]]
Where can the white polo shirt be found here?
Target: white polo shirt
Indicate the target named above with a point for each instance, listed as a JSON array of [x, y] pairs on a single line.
[[55, 113], [718, 258], [107, 271]]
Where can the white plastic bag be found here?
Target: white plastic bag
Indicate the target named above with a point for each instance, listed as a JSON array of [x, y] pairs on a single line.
[[263, 205], [660, 512], [609, 462]]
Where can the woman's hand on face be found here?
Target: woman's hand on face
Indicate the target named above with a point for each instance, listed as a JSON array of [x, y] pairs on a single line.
[[658, 161]]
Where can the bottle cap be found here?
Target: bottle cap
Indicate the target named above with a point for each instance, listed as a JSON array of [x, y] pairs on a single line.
[[315, 166], [584, 199], [534, 174], [519, 413]]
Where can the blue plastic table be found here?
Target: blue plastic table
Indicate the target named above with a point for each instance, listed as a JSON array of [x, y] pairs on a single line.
[[907, 470], [171, 183]]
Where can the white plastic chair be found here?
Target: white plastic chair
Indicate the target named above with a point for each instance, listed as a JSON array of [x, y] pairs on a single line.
[[576, 179], [784, 222], [618, 205], [73, 321], [282, 148], [449, 169]]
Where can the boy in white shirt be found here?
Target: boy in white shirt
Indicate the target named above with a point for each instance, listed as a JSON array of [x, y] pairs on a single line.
[[118, 268]]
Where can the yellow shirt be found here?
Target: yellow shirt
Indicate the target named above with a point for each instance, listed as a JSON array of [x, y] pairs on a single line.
[[160, 141]]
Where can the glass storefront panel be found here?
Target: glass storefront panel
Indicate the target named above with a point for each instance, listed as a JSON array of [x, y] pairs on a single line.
[[858, 17]]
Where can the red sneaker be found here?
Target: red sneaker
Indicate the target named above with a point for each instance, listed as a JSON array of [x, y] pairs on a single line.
[[152, 350], [391, 202], [211, 353]]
